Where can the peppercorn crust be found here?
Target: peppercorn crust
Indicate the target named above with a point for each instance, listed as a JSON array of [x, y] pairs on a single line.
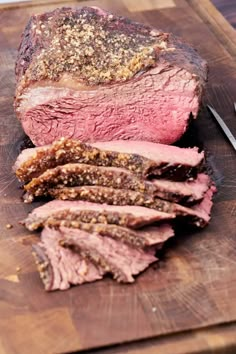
[[93, 45]]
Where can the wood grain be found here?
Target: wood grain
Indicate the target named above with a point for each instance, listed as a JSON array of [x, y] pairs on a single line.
[[216, 340], [216, 22], [194, 285], [228, 9]]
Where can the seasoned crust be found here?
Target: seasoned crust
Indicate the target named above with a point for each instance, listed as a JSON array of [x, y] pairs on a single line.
[[64, 151], [43, 265], [96, 47]]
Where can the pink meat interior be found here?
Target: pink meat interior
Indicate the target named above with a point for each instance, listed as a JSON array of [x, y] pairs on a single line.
[[151, 108]]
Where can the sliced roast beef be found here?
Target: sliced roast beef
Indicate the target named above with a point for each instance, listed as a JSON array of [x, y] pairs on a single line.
[[60, 267], [206, 204], [183, 192], [108, 195], [164, 156], [201, 212], [94, 76], [188, 192], [125, 197], [80, 174], [130, 216], [111, 255], [147, 236], [139, 157], [74, 174]]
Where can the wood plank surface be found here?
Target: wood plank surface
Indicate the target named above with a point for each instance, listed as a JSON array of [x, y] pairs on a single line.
[[216, 22], [194, 285], [228, 9], [214, 340]]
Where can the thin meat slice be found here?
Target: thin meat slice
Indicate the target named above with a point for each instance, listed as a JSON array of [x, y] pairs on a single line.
[[83, 174], [147, 236], [129, 216], [199, 214], [111, 196], [124, 197], [142, 158], [127, 199], [186, 192], [206, 204], [113, 256], [60, 267], [171, 159], [183, 192]]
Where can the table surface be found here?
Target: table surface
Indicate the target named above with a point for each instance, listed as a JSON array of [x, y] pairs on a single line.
[[228, 9], [194, 288]]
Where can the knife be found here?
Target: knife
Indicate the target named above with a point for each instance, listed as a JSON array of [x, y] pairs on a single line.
[[223, 126]]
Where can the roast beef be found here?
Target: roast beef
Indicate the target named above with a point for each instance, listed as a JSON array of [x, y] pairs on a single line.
[[60, 267], [147, 236], [81, 174], [142, 158], [94, 76], [183, 192], [188, 192], [206, 204], [112, 256], [130, 216], [125, 197], [198, 216]]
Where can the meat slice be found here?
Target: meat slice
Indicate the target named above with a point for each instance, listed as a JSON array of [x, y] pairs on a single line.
[[186, 192], [75, 174], [125, 197], [113, 256], [130, 216], [89, 74], [108, 195], [60, 267], [206, 204], [147, 236], [80, 174], [139, 157], [183, 192]]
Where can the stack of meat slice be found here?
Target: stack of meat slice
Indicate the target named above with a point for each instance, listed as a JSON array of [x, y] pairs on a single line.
[[115, 205]]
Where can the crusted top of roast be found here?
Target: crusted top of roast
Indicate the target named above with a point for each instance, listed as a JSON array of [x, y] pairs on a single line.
[[93, 45]]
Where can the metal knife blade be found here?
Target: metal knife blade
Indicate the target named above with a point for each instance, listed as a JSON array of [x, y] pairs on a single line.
[[223, 126]]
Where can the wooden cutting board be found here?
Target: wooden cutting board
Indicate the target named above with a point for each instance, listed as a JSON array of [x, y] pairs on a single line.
[[185, 304]]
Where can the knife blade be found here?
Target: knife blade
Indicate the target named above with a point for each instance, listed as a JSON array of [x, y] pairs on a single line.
[[223, 126]]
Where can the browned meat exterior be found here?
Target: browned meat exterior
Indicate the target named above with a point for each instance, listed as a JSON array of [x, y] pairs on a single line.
[[81, 174], [125, 199], [113, 196], [112, 256], [108, 195], [183, 192], [142, 158], [148, 236], [129, 216], [60, 267], [186, 192], [108, 61], [80, 69]]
